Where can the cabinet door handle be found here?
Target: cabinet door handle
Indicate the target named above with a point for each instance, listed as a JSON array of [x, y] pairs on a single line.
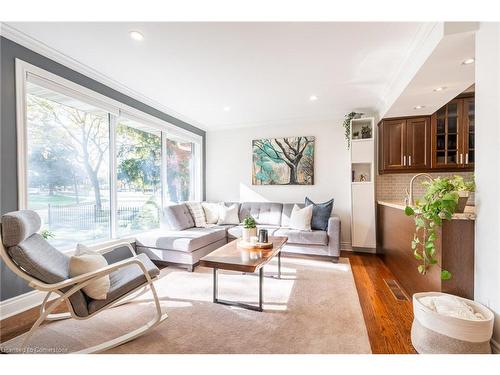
[[409, 160], [404, 160], [461, 158], [467, 158]]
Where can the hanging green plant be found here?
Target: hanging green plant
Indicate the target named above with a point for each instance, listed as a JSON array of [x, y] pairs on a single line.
[[438, 203], [347, 126]]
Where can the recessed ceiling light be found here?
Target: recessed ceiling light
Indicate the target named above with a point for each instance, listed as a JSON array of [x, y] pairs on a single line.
[[468, 61], [313, 98], [419, 107], [439, 88], [136, 35], [226, 108]]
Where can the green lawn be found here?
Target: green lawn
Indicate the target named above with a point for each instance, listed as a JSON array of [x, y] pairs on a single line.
[[38, 201]]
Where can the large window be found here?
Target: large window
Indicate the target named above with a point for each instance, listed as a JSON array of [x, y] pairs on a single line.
[[94, 170]]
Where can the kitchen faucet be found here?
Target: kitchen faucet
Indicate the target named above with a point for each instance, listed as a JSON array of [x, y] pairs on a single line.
[[409, 195]]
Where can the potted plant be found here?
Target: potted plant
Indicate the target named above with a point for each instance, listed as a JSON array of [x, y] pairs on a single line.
[[347, 125], [249, 228], [439, 202], [463, 188]]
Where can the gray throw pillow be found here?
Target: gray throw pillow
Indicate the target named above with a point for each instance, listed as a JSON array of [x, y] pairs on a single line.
[[321, 214]]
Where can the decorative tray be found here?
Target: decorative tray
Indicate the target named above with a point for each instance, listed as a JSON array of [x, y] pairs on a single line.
[[255, 246]]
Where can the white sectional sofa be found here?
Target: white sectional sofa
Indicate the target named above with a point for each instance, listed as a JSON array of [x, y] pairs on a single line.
[[187, 245]]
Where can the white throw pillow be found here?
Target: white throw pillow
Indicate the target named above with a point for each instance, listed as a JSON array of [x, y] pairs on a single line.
[[86, 260], [228, 215], [197, 213], [301, 218], [211, 212]]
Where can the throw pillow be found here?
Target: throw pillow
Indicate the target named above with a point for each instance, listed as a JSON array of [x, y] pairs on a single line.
[[301, 218], [211, 212], [321, 214], [178, 217], [86, 260], [197, 213], [228, 215]]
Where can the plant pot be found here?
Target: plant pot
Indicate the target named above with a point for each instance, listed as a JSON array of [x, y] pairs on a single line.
[[247, 233], [463, 197]]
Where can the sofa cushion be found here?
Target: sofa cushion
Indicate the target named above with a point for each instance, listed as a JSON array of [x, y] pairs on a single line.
[[301, 218], [178, 217], [321, 213], [187, 240], [123, 281], [198, 214], [211, 212], [237, 231], [228, 215], [315, 237], [264, 213]]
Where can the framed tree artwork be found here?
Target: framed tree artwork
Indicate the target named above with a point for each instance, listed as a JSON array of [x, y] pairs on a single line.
[[283, 161]]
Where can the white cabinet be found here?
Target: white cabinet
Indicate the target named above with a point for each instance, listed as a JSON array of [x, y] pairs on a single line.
[[363, 184]]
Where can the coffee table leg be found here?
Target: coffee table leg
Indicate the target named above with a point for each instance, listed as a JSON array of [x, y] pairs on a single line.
[[261, 280], [215, 285], [279, 265]]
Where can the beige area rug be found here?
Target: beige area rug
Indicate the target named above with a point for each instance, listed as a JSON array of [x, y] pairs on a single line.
[[314, 308]]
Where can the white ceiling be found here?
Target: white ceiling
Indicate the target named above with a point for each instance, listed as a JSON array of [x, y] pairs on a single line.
[[443, 68], [265, 72]]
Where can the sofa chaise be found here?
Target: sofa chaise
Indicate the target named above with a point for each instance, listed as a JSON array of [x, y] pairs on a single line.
[[187, 245]]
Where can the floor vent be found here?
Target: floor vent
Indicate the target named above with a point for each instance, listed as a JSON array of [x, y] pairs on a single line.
[[396, 290]]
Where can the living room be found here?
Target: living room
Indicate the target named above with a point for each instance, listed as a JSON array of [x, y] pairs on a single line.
[[187, 185]]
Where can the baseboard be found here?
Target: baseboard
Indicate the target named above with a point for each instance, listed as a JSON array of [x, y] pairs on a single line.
[[346, 246], [495, 347], [21, 303]]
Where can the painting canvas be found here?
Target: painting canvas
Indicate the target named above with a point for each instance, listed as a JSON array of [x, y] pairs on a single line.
[[283, 161]]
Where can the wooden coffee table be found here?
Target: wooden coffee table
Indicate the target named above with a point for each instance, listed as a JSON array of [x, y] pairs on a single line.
[[232, 258]]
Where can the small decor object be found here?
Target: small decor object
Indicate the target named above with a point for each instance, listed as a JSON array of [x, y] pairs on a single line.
[[366, 132], [283, 161], [447, 324], [249, 229], [263, 236], [300, 218], [84, 261], [362, 177], [347, 126], [439, 202], [321, 213], [353, 175], [355, 135]]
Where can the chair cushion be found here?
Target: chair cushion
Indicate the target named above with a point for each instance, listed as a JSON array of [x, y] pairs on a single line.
[[237, 231], [187, 240], [178, 217], [321, 213], [264, 213], [123, 281], [19, 225], [300, 237]]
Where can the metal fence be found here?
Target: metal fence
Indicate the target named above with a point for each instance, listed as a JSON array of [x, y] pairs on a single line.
[[88, 216]]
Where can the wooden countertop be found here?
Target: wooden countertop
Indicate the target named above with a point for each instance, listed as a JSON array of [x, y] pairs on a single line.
[[468, 214]]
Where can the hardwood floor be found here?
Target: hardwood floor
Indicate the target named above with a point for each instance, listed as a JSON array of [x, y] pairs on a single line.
[[388, 320]]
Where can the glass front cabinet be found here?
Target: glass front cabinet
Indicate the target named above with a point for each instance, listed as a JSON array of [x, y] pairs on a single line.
[[452, 129]]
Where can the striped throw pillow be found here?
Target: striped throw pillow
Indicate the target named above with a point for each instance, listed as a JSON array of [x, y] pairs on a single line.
[[197, 213]]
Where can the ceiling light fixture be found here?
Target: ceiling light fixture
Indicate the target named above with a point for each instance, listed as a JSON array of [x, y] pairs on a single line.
[[136, 35], [468, 61], [419, 107], [313, 98], [437, 89], [226, 108]]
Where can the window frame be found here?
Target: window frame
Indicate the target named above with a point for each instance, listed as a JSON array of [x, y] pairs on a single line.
[[115, 110]]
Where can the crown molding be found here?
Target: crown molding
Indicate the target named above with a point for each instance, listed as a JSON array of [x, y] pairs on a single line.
[[43, 49]]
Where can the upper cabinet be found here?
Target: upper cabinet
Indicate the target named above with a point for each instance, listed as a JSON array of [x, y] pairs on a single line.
[[403, 146], [442, 142]]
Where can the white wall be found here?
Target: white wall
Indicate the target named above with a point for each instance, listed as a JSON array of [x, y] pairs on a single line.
[[229, 167], [487, 274]]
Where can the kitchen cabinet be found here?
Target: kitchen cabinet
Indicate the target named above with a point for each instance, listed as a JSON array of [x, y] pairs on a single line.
[[404, 145], [443, 141]]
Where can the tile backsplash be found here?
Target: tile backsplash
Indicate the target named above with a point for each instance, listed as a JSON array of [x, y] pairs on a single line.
[[391, 187]]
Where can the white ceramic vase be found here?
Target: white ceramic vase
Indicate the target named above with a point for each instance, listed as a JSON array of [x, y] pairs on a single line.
[[248, 233]]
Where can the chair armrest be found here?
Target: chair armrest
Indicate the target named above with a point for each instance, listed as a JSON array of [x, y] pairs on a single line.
[[86, 278], [333, 232]]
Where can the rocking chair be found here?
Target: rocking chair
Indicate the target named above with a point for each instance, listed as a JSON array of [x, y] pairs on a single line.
[[31, 257]]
